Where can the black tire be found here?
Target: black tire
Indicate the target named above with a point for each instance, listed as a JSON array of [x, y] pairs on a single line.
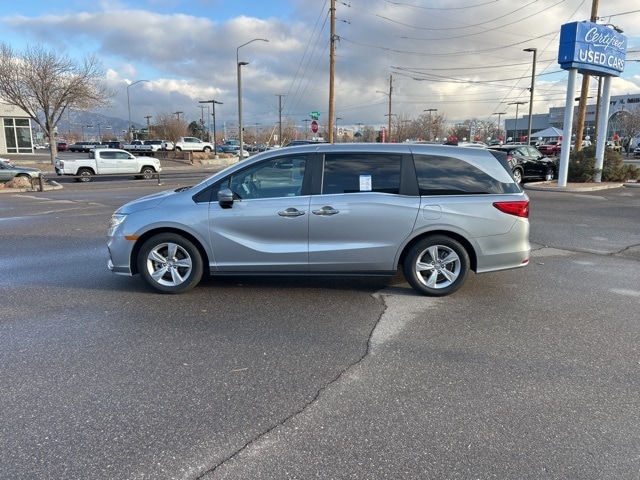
[[178, 149], [206, 149], [86, 175], [436, 266], [170, 263], [147, 173], [550, 175], [517, 175]]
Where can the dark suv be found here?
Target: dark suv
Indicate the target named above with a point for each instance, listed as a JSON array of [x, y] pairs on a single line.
[[527, 163], [332, 209]]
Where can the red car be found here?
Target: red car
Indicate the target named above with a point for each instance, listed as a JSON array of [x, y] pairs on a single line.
[[62, 146], [550, 149]]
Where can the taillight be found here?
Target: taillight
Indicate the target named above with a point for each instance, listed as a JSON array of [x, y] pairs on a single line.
[[510, 160], [519, 208]]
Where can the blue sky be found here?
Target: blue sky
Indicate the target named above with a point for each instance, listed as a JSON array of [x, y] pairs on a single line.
[[464, 58]]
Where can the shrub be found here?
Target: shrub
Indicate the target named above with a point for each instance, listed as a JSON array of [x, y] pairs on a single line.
[[582, 166]]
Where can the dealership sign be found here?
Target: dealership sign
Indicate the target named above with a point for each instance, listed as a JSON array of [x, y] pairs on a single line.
[[592, 49]]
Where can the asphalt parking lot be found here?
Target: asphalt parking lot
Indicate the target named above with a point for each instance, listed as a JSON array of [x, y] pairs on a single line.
[[527, 373]]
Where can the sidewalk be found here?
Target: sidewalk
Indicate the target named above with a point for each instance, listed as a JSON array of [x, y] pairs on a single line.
[[578, 187]]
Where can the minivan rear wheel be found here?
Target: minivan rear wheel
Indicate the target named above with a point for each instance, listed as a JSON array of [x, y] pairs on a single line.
[[170, 263], [436, 265]]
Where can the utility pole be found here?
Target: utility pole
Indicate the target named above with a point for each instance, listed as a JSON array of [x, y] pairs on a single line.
[[390, 92], [332, 66], [202, 107], [148, 127], [280, 95], [582, 107]]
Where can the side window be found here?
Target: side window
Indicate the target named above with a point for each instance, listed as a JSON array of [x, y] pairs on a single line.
[[107, 155], [439, 175], [361, 172], [278, 177]]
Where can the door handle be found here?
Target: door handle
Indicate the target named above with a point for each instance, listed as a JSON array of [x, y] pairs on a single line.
[[326, 210], [290, 212]]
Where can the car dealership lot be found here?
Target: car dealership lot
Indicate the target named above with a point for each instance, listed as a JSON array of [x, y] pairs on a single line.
[[528, 373]]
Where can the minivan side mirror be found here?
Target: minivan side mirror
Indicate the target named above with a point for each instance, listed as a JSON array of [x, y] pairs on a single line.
[[225, 198]]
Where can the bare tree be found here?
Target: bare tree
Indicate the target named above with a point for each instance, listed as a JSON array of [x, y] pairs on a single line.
[[45, 84], [169, 127], [629, 125]]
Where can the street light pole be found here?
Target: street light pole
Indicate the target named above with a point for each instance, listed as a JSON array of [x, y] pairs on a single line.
[[533, 81], [129, 103], [239, 64], [389, 114], [517, 104], [213, 105]]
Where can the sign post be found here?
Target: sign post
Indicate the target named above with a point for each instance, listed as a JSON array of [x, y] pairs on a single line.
[[589, 49]]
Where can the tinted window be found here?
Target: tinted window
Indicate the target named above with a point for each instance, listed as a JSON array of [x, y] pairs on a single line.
[[451, 176], [353, 173]]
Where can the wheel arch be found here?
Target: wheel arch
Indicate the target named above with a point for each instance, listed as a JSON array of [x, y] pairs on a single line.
[[456, 236], [144, 237]]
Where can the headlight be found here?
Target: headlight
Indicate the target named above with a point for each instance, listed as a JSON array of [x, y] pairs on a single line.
[[115, 220]]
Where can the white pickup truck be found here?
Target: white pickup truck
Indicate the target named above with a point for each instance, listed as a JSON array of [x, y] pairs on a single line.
[[104, 161], [193, 144]]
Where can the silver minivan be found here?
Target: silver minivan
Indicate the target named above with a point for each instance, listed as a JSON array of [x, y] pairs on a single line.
[[332, 209]]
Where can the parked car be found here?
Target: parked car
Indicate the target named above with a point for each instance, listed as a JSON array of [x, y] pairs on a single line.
[[62, 146], [551, 148], [232, 149], [193, 144], [528, 163], [113, 144], [354, 209], [84, 146], [8, 172], [585, 144], [636, 151], [293, 143], [156, 145]]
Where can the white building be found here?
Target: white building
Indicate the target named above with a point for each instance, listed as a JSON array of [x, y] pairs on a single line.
[[555, 118], [16, 130]]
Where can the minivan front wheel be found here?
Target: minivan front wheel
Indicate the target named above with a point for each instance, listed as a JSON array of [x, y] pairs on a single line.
[[170, 263], [436, 266]]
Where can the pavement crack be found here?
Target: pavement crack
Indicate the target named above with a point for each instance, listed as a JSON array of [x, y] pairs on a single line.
[[367, 350]]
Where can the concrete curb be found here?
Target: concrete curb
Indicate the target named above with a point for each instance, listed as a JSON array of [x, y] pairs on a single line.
[[578, 187]]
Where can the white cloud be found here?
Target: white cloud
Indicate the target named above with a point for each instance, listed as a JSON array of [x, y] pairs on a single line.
[[467, 61]]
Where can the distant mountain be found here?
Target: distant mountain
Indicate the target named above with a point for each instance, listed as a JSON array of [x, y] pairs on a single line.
[[93, 125]]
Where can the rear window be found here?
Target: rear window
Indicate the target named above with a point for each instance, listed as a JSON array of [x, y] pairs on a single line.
[[440, 175]]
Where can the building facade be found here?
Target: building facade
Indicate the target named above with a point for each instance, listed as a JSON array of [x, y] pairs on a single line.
[[516, 128], [16, 130]]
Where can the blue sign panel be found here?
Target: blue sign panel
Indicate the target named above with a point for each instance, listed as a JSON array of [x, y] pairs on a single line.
[[591, 48]]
